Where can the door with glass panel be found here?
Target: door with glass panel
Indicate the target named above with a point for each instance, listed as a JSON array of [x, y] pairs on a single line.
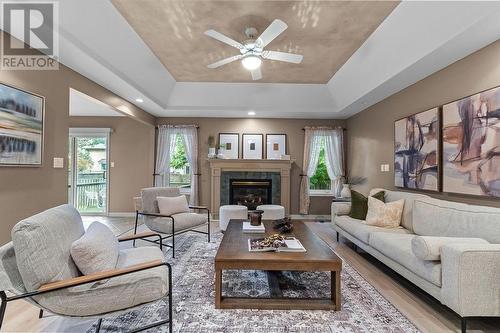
[[88, 172]]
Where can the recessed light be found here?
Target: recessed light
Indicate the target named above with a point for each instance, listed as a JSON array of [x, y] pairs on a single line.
[[251, 113], [139, 100]]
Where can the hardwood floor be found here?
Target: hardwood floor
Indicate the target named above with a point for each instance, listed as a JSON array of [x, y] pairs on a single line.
[[423, 310]]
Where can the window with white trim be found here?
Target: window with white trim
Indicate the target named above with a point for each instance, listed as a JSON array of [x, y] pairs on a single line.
[[180, 173], [320, 183]]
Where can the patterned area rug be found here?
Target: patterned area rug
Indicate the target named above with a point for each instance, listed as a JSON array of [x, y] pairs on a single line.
[[363, 308]]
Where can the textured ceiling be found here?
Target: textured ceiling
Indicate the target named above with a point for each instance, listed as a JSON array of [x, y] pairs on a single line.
[[327, 33]]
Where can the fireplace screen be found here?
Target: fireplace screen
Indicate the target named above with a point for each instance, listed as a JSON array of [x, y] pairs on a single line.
[[250, 192]]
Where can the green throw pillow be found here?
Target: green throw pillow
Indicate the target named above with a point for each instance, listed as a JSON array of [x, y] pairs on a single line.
[[359, 204]]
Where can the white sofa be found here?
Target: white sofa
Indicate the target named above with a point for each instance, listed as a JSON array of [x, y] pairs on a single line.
[[466, 278]]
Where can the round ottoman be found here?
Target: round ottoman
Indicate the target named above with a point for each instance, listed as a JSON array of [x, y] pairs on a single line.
[[229, 212], [272, 212]]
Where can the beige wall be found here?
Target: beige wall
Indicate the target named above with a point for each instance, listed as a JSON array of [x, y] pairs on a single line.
[[25, 191], [295, 142], [131, 148], [371, 133]]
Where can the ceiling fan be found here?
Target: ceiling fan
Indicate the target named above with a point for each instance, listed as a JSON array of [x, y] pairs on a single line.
[[252, 50]]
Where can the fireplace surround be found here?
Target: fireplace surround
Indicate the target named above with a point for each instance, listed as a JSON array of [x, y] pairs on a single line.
[[276, 170]]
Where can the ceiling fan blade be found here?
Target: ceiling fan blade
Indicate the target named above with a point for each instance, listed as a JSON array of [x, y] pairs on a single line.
[[225, 61], [256, 74], [282, 56], [222, 38], [272, 31]]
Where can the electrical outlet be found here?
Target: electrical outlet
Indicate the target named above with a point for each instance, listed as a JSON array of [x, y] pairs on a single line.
[[58, 163]]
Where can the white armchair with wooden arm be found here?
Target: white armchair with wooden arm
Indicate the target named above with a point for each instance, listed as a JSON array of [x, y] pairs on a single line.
[[171, 225], [37, 266]]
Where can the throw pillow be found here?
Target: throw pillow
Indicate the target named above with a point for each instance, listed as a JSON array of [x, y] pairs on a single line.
[[96, 251], [172, 205], [429, 247], [359, 204], [386, 215]]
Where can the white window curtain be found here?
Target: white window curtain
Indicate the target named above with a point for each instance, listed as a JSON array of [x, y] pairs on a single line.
[[309, 165], [334, 157], [190, 136], [334, 153], [166, 145]]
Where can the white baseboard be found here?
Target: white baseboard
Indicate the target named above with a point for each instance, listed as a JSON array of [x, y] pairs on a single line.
[[121, 214]]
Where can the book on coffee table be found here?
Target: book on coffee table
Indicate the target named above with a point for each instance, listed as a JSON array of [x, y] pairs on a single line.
[[288, 244], [253, 229]]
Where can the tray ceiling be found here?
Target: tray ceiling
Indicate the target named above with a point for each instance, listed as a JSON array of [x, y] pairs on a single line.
[[327, 33]]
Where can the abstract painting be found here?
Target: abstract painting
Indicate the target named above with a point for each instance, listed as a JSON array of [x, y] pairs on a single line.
[[416, 152], [471, 145], [21, 127]]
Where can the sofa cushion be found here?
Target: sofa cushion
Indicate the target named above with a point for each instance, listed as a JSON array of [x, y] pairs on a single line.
[[359, 204], [96, 251], [407, 216], [43, 242], [172, 205], [429, 247], [398, 248], [433, 217], [362, 231], [182, 221], [118, 293], [385, 215]]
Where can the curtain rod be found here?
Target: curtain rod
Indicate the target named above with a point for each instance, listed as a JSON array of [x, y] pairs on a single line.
[[177, 126], [344, 129]]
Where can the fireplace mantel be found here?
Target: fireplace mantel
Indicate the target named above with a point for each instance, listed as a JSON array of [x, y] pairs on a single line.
[[217, 166]]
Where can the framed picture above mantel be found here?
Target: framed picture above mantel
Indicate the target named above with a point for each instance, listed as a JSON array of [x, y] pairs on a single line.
[[275, 146], [21, 127], [253, 148], [229, 145]]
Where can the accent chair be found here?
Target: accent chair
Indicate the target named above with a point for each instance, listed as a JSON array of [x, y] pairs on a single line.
[[173, 224], [37, 266]]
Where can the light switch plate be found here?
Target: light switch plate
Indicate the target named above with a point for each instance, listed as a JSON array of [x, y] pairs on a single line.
[[58, 163], [382, 167], [112, 164]]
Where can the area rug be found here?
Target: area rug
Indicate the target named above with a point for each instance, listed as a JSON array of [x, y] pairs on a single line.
[[363, 308]]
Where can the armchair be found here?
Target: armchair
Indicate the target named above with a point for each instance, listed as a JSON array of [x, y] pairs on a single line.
[[37, 267], [169, 225]]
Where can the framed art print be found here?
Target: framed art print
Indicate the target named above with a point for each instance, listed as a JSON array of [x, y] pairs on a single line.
[[229, 145], [252, 146], [471, 144], [275, 146], [21, 127], [416, 151]]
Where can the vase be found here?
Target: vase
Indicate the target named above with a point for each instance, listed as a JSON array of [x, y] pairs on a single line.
[[346, 191]]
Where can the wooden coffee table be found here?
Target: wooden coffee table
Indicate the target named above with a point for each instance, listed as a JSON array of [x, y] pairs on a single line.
[[233, 254]]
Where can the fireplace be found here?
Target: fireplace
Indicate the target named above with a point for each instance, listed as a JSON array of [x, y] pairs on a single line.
[[250, 192]]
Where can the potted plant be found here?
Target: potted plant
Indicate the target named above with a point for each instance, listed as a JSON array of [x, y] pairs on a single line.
[[350, 181], [211, 147]]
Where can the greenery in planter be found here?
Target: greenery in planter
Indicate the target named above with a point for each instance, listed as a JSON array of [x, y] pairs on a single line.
[[320, 180], [179, 160]]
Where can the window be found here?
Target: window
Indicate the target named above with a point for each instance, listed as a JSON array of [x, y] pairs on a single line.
[[320, 183], [180, 173]]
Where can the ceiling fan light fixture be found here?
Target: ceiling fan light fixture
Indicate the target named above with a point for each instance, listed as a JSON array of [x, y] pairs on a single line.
[[251, 62]]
